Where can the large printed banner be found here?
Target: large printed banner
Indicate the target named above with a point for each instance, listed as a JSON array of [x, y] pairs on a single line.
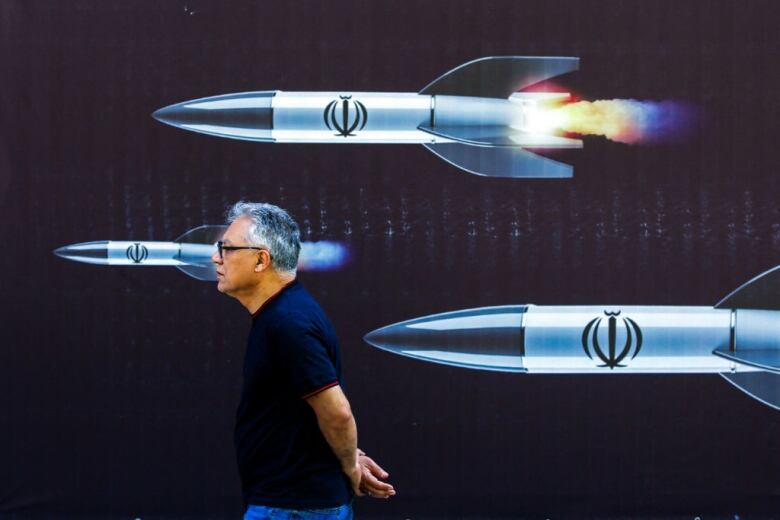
[[547, 234]]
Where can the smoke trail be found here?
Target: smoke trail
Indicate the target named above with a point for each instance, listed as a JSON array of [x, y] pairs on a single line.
[[628, 120], [322, 256]]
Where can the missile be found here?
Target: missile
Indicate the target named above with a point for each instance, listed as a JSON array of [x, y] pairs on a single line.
[[739, 338], [473, 117], [191, 253]]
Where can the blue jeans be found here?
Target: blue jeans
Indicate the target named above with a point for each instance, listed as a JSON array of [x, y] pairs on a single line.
[[276, 513]]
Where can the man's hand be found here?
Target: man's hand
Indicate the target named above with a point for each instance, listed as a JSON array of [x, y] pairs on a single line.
[[337, 425], [355, 475], [371, 472]]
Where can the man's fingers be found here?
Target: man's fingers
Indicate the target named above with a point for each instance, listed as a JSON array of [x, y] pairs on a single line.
[[376, 487], [373, 467], [381, 488], [378, 493], [370, 482]]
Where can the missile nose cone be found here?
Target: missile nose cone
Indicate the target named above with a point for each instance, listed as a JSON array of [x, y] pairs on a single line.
[[164, 115], [181, 114], [487, 338], [62, 252], [383, 338], [88, 252], [247, 115]]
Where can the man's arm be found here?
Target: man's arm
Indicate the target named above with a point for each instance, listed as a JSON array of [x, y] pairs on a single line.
[[334, 417]]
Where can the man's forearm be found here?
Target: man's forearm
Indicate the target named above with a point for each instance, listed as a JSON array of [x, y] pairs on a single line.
[[337, 424], [341, 434]]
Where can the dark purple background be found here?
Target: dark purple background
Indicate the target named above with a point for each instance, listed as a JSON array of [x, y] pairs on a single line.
[[118, 386]]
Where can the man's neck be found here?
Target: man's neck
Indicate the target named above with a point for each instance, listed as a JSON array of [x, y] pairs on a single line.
[[270, 286]]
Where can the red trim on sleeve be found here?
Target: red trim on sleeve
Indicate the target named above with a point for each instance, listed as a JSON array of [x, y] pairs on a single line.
[[320, 389]]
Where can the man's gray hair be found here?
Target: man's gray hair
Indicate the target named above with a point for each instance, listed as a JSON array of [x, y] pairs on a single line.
[[271, 227]]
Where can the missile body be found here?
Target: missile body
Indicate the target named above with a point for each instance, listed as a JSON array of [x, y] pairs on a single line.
[[583, 339], [739, 339], [472, 117], [191, 253], [119, 252]]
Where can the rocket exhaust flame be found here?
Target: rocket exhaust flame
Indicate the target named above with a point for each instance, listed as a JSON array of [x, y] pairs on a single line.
[[323, 256], [627, 121]]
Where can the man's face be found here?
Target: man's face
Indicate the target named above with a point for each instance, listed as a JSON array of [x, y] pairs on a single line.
[[236, 271]]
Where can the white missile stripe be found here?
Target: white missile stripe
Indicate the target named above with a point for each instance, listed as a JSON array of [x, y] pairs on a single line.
[[361, 136], [88, 260], [238, 103], [486, 361], [647, 364], [577, 365], [228, 131], [371, 100], [487, 321], [152, 261], [709, 318], [682, 318]]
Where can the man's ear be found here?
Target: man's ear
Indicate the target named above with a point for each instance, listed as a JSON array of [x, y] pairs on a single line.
[[263, 260]]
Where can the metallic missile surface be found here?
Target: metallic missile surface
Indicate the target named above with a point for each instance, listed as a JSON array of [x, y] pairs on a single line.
[[120, 252], [472, 117], [191, 253], [554, 339], [742, 344]]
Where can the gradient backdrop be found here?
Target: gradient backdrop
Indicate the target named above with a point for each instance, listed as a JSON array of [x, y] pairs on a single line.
[[118, 385]]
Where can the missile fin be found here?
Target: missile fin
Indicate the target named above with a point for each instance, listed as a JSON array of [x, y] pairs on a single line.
[[511, 162], [763, 359], [762, 386], [208, 234], [497, 135], [760, 292], [494, 135], [204, 273], [499, 76]]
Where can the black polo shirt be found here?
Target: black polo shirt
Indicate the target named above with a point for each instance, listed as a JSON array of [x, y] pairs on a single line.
[[283, 458]]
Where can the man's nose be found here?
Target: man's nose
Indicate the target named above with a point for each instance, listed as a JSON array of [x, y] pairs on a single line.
[[215, 258]]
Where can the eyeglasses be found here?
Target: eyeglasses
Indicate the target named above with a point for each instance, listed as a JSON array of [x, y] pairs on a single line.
[[221, 248]]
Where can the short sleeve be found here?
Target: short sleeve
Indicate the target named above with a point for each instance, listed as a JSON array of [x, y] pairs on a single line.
[[304, 357]]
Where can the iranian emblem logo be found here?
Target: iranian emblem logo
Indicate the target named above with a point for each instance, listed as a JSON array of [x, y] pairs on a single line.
[[137, 253], [612, 357], [345, 115]]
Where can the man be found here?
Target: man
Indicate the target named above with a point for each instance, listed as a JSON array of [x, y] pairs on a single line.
[[296, 439]]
